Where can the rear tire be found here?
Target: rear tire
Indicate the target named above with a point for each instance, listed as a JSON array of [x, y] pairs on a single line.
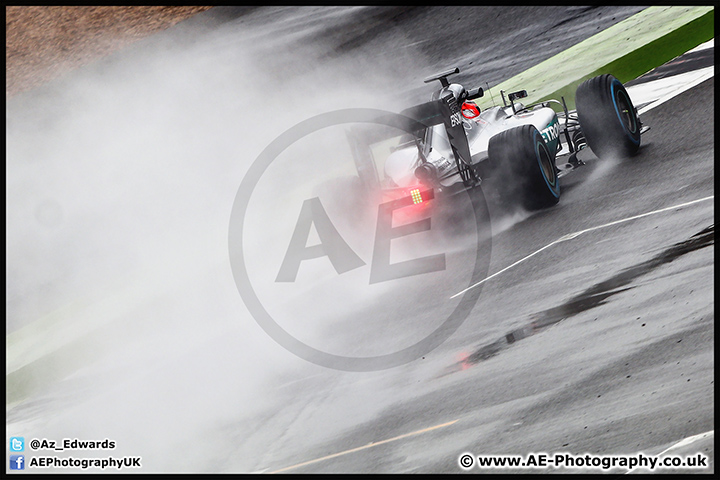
[[525, 168], [607, 117]]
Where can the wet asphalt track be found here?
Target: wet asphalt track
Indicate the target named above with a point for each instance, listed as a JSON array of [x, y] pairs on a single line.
[[490, 43], [601, 344]]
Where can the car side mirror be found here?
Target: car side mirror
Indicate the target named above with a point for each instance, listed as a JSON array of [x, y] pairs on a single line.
[[515, 95], [474, 93]]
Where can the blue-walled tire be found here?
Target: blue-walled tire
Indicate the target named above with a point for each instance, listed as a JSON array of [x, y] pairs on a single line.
[[526, 171], [607, 117]]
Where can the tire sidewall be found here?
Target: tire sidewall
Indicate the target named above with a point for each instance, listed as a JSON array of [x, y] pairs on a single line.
[[617, 88], [518, 156], [541, 147], [601, 118]]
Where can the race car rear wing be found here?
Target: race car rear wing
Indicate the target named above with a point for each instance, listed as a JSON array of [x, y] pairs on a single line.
[[417, 123], [445, 111], [442, 76]]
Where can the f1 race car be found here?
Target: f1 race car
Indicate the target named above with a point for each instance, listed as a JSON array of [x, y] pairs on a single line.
[[522, 150]]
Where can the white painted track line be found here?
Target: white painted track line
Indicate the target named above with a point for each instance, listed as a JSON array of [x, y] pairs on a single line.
[[570, 236], [682, 443], [687, 441], [698, 76], [369, 445]]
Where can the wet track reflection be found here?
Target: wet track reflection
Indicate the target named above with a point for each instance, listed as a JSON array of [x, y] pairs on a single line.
[[594, 296]]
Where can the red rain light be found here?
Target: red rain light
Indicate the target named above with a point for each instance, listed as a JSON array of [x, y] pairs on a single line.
[[416, 196]]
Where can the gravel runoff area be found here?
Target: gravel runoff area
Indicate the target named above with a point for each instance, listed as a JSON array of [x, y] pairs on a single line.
[[44, 42]]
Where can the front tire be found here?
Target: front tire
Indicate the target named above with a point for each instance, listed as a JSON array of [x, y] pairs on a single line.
[[607, 117], [526, 170]]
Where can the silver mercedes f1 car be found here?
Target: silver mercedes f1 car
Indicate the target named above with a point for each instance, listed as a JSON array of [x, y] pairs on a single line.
[[522, 150]]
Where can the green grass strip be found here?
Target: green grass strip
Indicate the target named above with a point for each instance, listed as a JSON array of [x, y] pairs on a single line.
[[627, 50]]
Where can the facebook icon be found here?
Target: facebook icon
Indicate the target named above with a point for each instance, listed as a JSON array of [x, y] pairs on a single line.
[[17, 462]]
